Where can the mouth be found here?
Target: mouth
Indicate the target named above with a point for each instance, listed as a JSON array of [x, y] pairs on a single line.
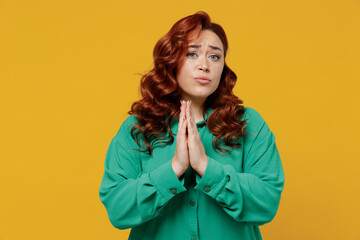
[[202, 80]]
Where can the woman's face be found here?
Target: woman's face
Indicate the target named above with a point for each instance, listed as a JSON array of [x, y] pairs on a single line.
[[204, 58]]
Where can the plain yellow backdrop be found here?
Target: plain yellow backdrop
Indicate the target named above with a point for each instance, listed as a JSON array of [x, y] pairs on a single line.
[[69, 73]]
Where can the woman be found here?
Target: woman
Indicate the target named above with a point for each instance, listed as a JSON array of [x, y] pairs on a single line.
[[221, 178]]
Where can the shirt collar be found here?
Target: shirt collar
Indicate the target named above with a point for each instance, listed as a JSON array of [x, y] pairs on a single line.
[[175, 122]]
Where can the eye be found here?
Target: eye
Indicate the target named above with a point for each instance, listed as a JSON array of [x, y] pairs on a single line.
[[217, 57], [213, 56], [190, 54]]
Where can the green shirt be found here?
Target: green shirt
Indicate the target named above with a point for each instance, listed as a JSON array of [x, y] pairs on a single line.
[[237, 193]]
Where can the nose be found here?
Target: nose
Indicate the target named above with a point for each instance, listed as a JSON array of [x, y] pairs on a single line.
[[203, 65], [205, 69]]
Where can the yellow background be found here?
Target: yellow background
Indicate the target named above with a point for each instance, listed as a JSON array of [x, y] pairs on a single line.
[[69, 73]]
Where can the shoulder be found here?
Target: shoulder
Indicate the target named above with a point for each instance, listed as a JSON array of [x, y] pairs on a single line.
[[124, 137], [254, 121], [125, 127], [127, 124], [252, 115]]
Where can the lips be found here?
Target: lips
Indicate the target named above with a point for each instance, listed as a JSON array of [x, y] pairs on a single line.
[[202, 80]]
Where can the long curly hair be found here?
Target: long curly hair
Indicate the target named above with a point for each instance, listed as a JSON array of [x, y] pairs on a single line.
[[161, 94]]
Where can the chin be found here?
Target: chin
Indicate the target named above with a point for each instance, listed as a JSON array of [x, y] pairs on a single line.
[[202, 93], [199, 96]]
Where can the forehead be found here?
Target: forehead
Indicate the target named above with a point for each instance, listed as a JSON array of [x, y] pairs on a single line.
[[206, 37]]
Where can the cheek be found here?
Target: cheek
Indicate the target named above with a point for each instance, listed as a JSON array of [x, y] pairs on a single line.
[[183, 75], [215, 85], [218, 72], [183, 80]]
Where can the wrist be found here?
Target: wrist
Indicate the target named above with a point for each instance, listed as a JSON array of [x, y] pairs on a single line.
[[200, 169], [179, 171]]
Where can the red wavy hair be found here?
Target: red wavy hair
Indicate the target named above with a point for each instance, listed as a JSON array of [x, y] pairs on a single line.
[[161, 94]]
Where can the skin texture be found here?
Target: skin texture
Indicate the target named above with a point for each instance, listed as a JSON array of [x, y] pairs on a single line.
[[202, 61], [189, 148]]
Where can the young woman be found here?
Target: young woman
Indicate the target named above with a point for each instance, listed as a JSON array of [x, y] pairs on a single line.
[[190, 162]]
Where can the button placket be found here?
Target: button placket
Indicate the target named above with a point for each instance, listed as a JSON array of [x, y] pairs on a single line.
[[228, 178], [193, 213], [173, 191]]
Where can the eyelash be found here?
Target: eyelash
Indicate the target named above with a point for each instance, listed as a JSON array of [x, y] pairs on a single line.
[[218, 57]]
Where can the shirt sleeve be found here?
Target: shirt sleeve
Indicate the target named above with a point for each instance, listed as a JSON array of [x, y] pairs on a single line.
[[130, 196], [251, 196]]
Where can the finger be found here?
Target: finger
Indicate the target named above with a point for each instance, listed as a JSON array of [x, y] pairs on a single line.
[[192, 116], [189, 118], [183, 120], [181, 115], [186, 129], [192, 123]]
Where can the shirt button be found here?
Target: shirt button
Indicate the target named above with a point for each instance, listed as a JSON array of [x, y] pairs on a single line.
[[173, 191], [207, 189], [192, 202], [193, 239]]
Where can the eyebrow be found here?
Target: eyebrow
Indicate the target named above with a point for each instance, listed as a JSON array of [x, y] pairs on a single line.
[[211, 46]]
